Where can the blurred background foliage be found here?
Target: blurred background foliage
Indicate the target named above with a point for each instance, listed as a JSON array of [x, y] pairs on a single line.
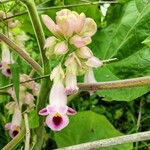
[[123, 34]]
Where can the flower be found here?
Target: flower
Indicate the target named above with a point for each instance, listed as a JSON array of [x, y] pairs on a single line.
[[71, 74], [6, 61], [57, 111], [14, 126], [89, 78]]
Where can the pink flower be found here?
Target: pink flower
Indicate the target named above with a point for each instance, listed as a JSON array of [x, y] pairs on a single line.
[[57, 112], [71, 73], [15, 125], [79, 41], [89, 78], [6, 61]]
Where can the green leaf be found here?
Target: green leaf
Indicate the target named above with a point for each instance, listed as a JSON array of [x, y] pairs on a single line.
[[122, 39], [88, 126], [33, 119], [16, 78]]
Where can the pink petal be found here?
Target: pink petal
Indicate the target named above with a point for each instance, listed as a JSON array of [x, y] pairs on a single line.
[[71, 111], [79, 41], [71, 83], [8, 126], [44, 112], [89, 28], [94, 62], [57, 123], [84, 52], [61, 48], [49, 23], [50, 42]]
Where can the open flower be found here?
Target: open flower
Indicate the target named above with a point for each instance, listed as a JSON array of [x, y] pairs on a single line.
[[6, 61], [14, 126], [57, 111]]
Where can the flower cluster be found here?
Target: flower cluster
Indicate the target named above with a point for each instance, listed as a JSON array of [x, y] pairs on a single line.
[[72, 33], [25, 98]]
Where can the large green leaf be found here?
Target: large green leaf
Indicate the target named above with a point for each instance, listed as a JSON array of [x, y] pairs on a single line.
[[88, 126], [123, 38]]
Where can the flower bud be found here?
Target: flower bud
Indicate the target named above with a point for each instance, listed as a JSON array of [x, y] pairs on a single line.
[[84, 52], [61, 48], [57, 74], [89, 28], [94, 62], [50, 24], [79, 41]]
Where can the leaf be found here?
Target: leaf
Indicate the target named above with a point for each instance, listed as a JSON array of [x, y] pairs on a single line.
[[88, 126], [33, 119], [15, 78], [122, 39]]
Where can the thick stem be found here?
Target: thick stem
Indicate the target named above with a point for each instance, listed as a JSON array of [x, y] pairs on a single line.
[[45, 84], [110, 142], [38, 30], [27, 142]]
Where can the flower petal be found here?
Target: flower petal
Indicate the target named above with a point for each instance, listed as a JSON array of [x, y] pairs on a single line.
[[84, 52], [57, 123], [49, 23], [79, 41], [61, 48], [89, 28], [44, 112], [71, 111], [94, 62]]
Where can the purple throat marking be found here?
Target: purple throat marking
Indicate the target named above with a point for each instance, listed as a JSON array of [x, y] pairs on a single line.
[[57, 120]]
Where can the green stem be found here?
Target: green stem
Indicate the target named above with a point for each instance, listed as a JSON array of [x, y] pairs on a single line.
[[38, 30], [45, 83]]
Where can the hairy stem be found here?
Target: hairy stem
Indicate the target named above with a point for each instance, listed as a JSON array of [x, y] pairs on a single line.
[[22, 53], [118, 84], [110, 142], [27, 142]]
